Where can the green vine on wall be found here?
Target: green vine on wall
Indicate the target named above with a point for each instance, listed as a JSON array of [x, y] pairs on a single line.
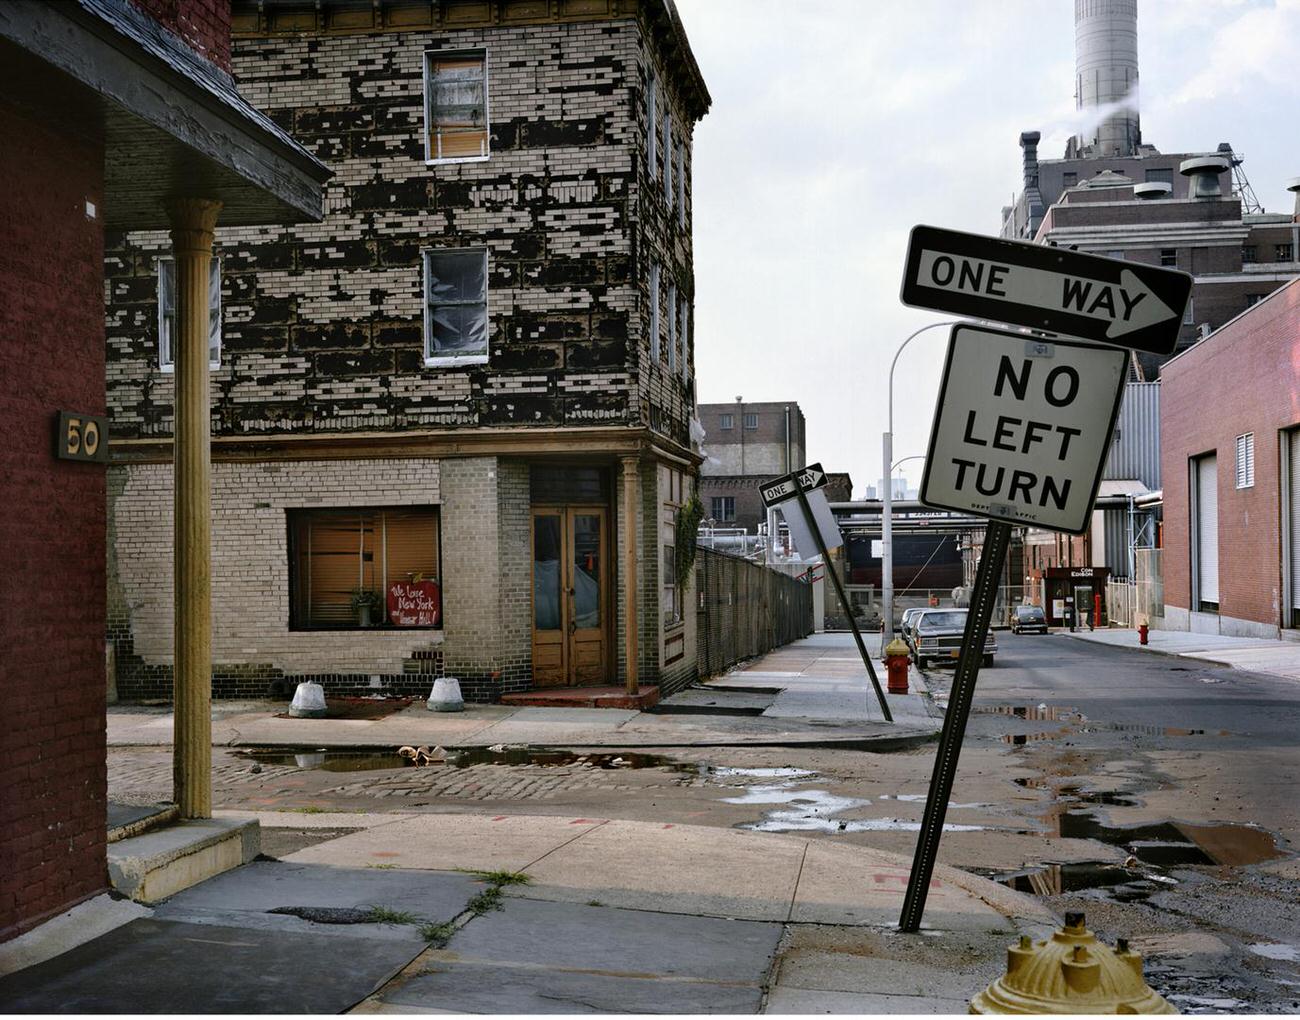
[[686, 528]]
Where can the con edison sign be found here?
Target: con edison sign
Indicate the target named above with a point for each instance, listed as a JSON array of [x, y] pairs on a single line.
[[1127, 304], [1022, 427]]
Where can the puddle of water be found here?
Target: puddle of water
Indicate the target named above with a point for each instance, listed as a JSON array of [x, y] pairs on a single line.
[[920, 798], [814, 811], [365, 761], [1123, 885], [1109, 798], [726, 772], [1275, 950], [1074, 718]]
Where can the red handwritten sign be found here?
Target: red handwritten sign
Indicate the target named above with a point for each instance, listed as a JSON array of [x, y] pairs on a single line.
[[414, 603]]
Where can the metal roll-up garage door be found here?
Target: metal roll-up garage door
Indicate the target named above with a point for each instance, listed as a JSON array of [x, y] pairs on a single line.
[[1293, 510], [1207, 530]]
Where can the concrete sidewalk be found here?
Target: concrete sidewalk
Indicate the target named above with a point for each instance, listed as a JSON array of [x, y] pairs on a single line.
[[821, 697], [1259, 655], [535, 914]]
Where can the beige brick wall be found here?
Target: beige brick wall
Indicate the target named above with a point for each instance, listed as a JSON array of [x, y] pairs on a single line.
[[250, 560]]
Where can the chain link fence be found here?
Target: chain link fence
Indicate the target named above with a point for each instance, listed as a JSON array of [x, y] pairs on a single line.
[[744, 609]]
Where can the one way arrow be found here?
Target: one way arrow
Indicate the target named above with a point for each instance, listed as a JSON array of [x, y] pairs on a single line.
[[1125, 307], [1057, 290]]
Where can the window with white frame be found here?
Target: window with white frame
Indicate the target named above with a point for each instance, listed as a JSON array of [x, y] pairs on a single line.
[[455, 105], [672, 327], [167, 314], [455, 311], [726, 422], [1246, 460], [1189, 313], [652, 125], [655, 347], [723, 508], [668, 155]]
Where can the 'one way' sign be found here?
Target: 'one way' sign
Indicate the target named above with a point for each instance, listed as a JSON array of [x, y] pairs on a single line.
[[1127, 304]]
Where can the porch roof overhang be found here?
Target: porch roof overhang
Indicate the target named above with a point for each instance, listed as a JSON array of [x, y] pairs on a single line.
[[171, 123]]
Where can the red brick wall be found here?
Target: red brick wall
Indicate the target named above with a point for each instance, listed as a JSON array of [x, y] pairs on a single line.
[[1243, 379], [52, 742], [203, 24]]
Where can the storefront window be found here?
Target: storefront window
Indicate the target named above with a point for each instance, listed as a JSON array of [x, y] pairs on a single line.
[[350, 568]]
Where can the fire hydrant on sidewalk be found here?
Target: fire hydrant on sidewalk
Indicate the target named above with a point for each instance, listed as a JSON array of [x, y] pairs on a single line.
[[896, 666], [1142, 633]]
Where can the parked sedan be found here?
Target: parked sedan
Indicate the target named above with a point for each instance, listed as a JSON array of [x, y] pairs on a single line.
[[1028, 620], [938, 634]]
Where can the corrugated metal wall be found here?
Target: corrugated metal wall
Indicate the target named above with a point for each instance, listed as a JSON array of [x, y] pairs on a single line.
[[1135, 452]]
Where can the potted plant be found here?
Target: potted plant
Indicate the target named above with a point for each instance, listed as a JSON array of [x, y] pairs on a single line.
[[364, 601]]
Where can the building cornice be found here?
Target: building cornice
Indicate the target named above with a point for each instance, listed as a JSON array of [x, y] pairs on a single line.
[[579, 441]]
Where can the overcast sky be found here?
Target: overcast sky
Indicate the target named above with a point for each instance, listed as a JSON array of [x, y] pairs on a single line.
[[837, 125]]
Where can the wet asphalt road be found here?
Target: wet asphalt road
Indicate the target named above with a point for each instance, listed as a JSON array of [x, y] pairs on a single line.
[[1116, 685], [1181, 741]]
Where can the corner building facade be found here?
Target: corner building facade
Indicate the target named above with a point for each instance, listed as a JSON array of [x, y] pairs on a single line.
[[452, 422]]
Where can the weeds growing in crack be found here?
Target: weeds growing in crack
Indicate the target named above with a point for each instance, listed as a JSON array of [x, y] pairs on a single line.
[[437, 935], [387, 915], [499, 878]]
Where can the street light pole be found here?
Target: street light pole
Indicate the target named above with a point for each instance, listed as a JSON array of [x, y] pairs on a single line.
[[887, 508]]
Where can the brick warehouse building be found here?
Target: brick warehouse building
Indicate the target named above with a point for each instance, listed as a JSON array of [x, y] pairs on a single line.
[[471, 386], [114, 116], [1232, 476]]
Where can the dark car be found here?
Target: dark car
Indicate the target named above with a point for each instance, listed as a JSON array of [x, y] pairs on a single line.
[[937, 634], [1028, 620]]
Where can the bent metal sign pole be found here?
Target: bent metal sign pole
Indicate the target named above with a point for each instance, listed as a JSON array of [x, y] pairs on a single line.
[[1020, 434]]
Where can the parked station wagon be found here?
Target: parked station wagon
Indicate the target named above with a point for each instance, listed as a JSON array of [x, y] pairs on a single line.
[[937, 635]]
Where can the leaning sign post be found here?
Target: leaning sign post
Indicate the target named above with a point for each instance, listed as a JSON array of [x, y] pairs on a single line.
[[789, 493], [1023, 421]]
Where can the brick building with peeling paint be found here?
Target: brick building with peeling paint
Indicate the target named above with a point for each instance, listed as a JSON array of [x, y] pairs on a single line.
[[451, 422]]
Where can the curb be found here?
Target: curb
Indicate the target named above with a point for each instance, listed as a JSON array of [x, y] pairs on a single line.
[[884, 743], [1149, 650]]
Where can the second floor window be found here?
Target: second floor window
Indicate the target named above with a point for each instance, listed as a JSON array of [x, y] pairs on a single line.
[[681, 338], [1285, 253], [1169, 256], [726, 422], [455, 105], [167, 314], [751, 422], [455, 317], [724, 508], [1248, 253]]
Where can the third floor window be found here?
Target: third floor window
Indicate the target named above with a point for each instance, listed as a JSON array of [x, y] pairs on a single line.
[[455, 105]]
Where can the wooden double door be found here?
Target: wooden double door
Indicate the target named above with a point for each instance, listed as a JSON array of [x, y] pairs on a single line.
[[572, 617]]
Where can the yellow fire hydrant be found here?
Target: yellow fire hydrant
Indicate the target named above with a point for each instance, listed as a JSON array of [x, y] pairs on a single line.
[[1070, 973]]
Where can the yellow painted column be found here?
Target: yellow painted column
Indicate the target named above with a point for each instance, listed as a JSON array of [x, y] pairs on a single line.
[[193, 221], [631, 547]]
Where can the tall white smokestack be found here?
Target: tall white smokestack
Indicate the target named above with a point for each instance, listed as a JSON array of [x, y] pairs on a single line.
[[1106, 74]]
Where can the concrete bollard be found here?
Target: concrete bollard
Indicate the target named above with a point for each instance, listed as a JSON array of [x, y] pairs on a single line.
[[445, 696], [308, 702]]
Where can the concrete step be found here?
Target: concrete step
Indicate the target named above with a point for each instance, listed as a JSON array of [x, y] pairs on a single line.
[[585, 697], [160, 863]]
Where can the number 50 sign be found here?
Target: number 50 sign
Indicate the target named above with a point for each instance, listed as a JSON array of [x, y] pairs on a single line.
[[81, 437]]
